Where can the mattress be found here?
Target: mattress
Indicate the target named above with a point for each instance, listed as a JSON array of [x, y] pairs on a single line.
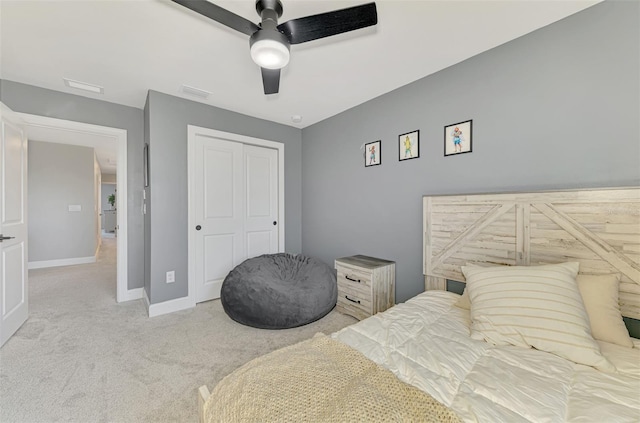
[[425, 342]]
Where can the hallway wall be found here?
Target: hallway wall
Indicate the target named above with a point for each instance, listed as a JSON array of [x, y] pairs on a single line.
[[61, 179]]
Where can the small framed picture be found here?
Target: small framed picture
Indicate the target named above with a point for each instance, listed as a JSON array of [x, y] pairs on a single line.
[[409, 145], [458, 138], [372, 153]]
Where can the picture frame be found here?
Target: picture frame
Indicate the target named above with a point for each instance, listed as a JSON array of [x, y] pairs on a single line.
[[373, 153], [458, 138], [145, 164], [409, 145]]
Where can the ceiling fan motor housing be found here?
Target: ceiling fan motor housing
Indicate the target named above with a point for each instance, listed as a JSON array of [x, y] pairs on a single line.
[[273, 35]]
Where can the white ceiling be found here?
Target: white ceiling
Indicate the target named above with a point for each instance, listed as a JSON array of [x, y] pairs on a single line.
[[129, 47]]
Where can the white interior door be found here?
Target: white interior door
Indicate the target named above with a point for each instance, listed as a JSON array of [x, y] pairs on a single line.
[[219, 208], [14, 307], [261, 200], [234, 196]]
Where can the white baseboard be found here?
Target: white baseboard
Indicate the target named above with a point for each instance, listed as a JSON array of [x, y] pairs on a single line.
[[62, 262], [133, 294], [170, 306]]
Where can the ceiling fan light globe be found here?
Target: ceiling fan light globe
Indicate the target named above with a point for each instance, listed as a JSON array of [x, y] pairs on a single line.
[[270, 54]]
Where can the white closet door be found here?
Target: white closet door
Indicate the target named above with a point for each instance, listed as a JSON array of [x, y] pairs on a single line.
[[219, 212], [14, 308], [235, 195], [261, 194]]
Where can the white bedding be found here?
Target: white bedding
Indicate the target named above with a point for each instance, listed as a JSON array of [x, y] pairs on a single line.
[[425, 342]]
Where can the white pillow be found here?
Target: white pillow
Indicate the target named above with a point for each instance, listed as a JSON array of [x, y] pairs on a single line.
[[533, 306], [600, 297], [463, 301]]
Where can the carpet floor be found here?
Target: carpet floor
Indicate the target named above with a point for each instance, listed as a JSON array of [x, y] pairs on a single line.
[[81, 357]]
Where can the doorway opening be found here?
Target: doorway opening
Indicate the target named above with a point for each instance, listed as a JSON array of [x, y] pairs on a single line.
[[61, 131], [108, 206]]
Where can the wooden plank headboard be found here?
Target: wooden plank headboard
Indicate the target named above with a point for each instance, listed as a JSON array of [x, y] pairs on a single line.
[[600, 228]]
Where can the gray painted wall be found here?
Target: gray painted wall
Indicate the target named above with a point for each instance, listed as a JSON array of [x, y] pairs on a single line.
[[39, 101], [168, 120], [58, 176], [557, 108]]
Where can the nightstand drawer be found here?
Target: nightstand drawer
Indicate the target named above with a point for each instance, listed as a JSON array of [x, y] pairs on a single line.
[[353, 305], [351, 275]]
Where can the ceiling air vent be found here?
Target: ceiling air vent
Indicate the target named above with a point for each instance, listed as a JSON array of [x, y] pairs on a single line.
[[84, 86], [196, 92]]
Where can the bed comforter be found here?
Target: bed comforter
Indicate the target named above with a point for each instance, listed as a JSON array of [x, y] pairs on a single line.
[[425, 342], [319, 380]]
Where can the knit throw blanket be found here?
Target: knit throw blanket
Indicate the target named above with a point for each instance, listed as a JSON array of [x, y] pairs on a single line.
[[319, 380]]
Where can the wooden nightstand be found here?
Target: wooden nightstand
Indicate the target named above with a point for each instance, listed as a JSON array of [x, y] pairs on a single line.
[[366, 285]]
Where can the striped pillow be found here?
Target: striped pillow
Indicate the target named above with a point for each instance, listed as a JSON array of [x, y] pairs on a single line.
[[533, 306]]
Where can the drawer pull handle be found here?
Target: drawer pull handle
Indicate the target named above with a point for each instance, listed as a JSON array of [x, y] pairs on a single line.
[[353, 301], [351, 279]]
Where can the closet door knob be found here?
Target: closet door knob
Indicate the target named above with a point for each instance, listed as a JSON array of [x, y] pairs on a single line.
[[198, 227], [275, 223]]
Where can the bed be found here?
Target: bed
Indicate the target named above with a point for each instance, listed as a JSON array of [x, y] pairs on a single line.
[[507, 350]]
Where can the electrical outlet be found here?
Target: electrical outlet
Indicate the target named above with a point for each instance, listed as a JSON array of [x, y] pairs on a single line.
[[171, 276]]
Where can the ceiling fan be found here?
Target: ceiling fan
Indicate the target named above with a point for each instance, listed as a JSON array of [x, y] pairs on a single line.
[[270, 42]]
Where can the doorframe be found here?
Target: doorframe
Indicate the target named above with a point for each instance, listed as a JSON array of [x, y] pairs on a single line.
[[192, 132], [123, 293]]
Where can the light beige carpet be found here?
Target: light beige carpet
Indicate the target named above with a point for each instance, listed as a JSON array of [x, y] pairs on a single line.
[[81, 357]]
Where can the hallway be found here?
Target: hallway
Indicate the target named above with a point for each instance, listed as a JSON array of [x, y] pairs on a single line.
[[70, 288]]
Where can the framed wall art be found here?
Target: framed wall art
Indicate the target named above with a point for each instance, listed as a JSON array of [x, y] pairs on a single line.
[[373, 153], [458, 138], [409, 145]]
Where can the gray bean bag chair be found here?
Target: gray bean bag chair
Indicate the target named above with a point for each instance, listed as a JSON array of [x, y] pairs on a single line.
[[279, 291]]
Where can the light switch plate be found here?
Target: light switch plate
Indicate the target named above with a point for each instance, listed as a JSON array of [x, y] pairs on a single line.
[[75, 207]]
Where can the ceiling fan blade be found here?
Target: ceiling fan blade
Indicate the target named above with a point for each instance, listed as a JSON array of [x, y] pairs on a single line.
[[331, 23], [271, 80], [219, 14]]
